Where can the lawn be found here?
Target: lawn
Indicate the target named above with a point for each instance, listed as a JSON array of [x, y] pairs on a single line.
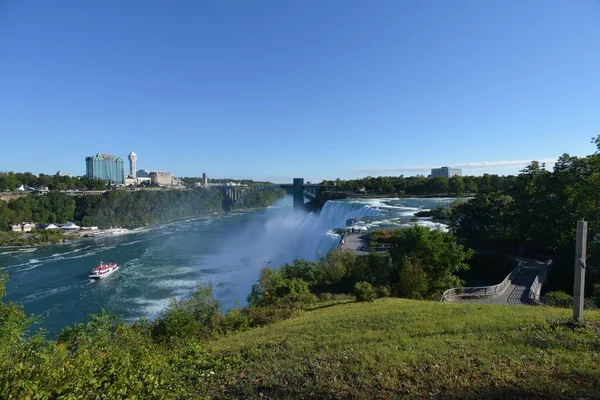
[[396, 348]]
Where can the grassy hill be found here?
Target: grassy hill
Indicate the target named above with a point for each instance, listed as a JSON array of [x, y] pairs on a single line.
[[387, 349], [394, 348]]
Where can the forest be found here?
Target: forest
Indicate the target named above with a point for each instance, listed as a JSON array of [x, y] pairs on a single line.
[[128, 209], [12, 180]]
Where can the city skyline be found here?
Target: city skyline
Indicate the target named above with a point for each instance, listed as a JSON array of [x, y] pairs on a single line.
[[279, 89]]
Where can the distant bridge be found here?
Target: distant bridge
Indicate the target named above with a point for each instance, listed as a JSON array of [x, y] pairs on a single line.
[[298, 188]]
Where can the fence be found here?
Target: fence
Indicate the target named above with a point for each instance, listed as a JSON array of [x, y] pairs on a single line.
[[536, 286], [482, 291]]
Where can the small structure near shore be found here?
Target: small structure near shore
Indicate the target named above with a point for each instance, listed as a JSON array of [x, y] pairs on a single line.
[[22, 227], [69, 226]]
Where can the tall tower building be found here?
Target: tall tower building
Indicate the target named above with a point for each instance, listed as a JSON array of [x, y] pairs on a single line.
[[107, 167], [132, 161]]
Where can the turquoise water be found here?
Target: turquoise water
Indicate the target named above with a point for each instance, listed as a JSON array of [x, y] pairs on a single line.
[[226, 250]]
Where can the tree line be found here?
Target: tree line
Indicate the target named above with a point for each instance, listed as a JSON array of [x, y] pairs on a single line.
[[536, 216], [12, 180], [421, 186], [124, 208]]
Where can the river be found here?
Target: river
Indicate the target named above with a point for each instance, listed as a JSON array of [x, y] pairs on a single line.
[[168, 261]]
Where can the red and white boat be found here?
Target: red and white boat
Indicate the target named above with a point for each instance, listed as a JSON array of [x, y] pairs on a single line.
[[103, 270]]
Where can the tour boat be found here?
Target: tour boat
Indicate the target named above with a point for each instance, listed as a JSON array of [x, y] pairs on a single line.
[[103, 270]]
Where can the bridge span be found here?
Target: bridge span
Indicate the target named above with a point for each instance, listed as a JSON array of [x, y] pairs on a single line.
[[298, 189]]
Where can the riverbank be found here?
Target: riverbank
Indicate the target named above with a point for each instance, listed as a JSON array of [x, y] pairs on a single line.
[[46, 238]]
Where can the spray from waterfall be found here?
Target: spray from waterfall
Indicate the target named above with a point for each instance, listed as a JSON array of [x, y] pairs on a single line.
[[280, 239]]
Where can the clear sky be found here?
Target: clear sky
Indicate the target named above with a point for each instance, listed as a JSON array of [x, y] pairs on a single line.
[[320, 89]]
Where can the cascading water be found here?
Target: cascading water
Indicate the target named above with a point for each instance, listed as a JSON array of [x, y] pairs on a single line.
[[281, 239]]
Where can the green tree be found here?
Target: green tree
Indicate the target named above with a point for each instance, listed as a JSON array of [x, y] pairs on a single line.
[[13, 321], [439, 184], [485, 184], [456, 185], [438, 253]]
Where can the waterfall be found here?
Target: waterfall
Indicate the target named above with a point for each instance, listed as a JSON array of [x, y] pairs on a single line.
[[282, 238]]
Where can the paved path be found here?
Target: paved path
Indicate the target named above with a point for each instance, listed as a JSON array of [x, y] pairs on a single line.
[[356, 242], [518, 291]]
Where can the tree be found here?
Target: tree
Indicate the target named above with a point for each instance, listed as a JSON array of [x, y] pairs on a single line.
[[430, 257], [13, 321], [456, 185], [439, 184], [9, 182], [485, 185]]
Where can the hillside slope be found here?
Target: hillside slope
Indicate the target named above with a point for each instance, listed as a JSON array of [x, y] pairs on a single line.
[[395, 348]]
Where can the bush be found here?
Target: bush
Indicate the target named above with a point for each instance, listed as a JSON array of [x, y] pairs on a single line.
[[412, 280], [364, 291], [384, 291], [596, 294], [198, 315], [265, 315], [334, 297], [273, 285], [558, 299]]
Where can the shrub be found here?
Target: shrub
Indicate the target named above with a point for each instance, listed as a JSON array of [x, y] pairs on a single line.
[[384, 291], [272, 285], [265, 315], [412, 280], [364, 291], [558, 299], [236, 321], [596, 294], [333, 297], [196, 315]]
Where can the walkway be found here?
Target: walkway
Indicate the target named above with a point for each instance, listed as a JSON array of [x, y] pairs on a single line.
[[517, 292], [357, 242]]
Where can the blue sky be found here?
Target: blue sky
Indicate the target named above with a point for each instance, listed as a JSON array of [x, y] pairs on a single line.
[[314, 89]]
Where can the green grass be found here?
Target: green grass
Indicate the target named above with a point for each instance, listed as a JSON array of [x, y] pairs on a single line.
[[385, 349], [395, 348]]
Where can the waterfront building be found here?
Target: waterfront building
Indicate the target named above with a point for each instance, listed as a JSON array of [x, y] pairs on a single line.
[[132, 164], [106, 167], [446, 172], [69, 226], [22, 227]]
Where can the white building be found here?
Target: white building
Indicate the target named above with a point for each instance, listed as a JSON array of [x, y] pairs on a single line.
[[69, 226], [446, 172], [22, 227]]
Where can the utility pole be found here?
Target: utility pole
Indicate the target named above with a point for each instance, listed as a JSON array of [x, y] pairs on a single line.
[[580, 260]]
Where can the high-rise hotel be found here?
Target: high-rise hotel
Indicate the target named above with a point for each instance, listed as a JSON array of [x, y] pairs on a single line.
[[106, 167]]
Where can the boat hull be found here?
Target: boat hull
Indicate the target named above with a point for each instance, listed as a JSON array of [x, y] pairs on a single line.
[[98, 276]]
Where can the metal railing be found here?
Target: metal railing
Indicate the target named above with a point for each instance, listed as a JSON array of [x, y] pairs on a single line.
[[482, 291], [536, 286]]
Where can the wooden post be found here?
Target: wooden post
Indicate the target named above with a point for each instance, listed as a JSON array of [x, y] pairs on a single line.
[[580, 260]]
